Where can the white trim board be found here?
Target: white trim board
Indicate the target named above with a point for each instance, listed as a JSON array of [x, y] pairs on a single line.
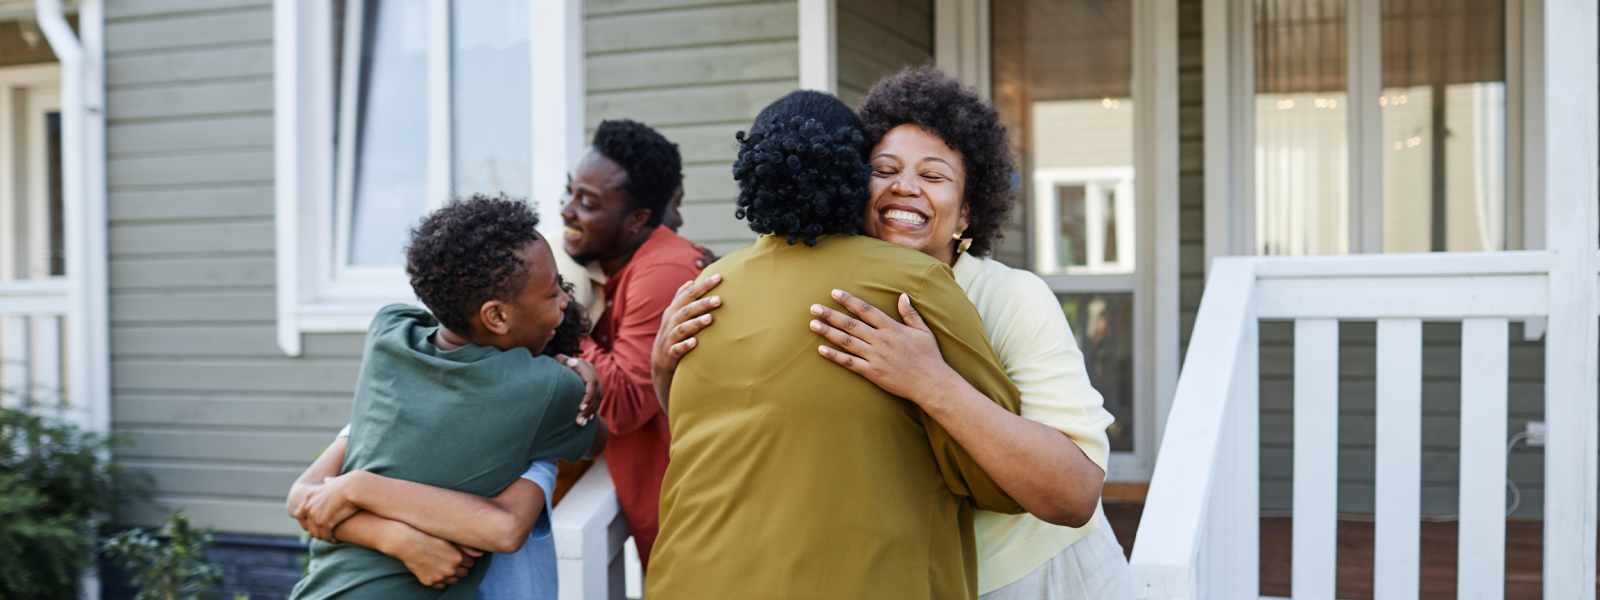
[[314, 293]]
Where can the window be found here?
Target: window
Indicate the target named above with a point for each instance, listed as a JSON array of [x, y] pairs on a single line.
[[397, 107], [1438, 106], [1065, 81]]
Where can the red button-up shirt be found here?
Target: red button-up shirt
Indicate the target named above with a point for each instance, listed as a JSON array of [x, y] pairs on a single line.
[[619, 347]]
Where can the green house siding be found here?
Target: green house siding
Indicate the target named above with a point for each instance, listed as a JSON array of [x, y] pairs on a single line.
[[698, 71], [219, 420]]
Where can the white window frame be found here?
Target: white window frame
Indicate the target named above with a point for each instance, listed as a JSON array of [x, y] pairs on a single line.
[[317, 290], [1230, 126], [1046, 204], [962, 48]]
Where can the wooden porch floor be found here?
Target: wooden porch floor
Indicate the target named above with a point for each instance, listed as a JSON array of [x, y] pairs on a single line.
[[1524, 555]]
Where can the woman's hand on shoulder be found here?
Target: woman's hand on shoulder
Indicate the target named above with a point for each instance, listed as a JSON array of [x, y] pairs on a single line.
[[688, 314], [904, 360]]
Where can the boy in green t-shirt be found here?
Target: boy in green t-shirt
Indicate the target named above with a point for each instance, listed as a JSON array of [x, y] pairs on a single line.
[[459, 399]]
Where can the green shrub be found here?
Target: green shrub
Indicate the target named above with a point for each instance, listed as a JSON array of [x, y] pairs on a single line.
[[57, 487], [176, 570]]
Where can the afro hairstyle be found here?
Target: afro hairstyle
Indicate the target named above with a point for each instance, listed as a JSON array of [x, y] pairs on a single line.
[[465, 254], [938, 103], [802, 169], [655, 170]]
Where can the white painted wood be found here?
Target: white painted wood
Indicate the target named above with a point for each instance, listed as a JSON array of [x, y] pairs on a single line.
[[1244, 566], [1436, 263], [1481, 545], [1316, 458], [1170, 534], [440, 145], [557, 105], [1229, 41], [589, 533], [819, 47], [1397, 533], [45, 367], [15, 380], [1437, 297], [1572, 450], [1364, 77], [1155, 90], [961, 41], [303, 157]]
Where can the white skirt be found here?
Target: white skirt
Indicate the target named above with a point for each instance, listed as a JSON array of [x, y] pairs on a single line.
[[1092, 568]]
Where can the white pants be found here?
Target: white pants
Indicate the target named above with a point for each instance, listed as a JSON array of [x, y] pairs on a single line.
[[1092, 568]]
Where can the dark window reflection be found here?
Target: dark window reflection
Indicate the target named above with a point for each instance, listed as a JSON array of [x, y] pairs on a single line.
[[1103, 326]]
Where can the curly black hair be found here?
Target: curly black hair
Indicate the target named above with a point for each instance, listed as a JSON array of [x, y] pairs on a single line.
[[574, 326], [655, 170], [802, 169], [938, 103], [465, 254]]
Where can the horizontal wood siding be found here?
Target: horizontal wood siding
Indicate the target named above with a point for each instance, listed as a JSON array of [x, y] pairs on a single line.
[[218, 418], [879, 37], [698, 71]]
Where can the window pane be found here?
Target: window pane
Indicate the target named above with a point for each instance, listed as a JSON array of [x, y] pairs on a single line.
[[1443, 109], [1302, 149], [392, 132], [491, 97], [58, 239], [1062, 74], [1103, 326]]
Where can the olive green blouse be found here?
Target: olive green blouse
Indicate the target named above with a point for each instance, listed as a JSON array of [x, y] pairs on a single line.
[[791, 477]]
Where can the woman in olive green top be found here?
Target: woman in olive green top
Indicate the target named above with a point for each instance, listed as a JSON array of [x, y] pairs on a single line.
[[791, 478]]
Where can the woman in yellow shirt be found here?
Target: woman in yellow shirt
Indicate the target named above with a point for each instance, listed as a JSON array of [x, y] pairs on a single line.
[[941, 183]]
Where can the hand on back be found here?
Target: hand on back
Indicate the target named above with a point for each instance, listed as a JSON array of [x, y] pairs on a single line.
[[904, 360], [688, 314]]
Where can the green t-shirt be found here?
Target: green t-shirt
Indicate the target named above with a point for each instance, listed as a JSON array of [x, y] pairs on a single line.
[[470, 420]]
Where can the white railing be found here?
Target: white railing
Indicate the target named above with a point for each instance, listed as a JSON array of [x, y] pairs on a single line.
[[32, 352], [590, 533], [1199, 535]]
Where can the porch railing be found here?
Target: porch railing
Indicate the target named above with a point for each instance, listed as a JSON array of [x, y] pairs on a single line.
[[590, 533], [1199, 536], [33, 361]]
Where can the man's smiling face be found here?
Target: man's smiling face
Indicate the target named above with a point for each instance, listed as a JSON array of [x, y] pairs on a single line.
[[596, 208]]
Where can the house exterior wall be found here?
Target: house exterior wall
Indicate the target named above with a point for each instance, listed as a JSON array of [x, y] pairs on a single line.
[[218, 418], [878, 38], [698, 71]]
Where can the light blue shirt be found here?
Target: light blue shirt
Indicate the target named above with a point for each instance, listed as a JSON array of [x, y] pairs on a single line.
[[529, 573]]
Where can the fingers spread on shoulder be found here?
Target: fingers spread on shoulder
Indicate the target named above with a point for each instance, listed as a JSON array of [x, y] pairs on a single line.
[[842, 321], [848, 342], [844, 359], [866, 312]]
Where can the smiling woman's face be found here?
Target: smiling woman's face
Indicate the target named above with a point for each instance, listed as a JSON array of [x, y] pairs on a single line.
[[917, 182]]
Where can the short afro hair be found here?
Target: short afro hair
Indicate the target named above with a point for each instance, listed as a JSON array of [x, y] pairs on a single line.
[[655, 170], [465, 254], [802, 169], [938, 103]]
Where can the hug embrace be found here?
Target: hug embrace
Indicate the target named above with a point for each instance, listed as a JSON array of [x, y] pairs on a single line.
[[859, 404]]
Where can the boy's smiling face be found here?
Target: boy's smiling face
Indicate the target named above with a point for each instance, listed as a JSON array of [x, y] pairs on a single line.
[[529, 318]]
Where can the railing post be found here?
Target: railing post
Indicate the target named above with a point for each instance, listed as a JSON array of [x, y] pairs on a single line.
[[590, 533], [1571, 153], [1245, 407]]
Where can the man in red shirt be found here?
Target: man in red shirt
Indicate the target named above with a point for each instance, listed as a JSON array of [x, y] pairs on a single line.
[[618, 196]]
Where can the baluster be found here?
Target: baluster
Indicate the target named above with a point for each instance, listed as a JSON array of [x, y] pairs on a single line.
[[1316, 458], [14, 361], [1397, 533], [44, 361], [1481, 549]]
